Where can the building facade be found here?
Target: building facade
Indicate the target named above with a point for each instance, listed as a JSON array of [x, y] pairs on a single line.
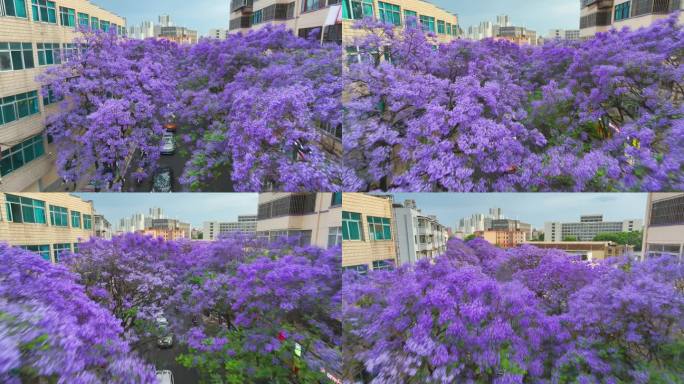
[[101, 227], [664, 231], [34, 36], [564, 34], [505, 238], [588, 227], [45, 223], [174, 228], [602, 15], [246, 224], [180, 35], [418, 236], [300, 16], [587, 250], [368, 233], [314, 217], [218, 33]]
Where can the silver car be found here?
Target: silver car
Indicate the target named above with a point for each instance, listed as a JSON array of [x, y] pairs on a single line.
[[165, 376]]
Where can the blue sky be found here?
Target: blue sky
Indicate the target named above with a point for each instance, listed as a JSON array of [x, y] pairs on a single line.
[[193, 208], [200, 15], [539, 15], [533, 208]]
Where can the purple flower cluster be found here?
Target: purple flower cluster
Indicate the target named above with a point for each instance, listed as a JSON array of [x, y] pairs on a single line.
[[482, 314], [605, 114]]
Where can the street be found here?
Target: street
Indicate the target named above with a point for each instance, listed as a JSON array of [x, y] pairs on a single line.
[[166, 359]]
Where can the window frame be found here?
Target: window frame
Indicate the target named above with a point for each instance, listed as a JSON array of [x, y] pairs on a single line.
[[379, 228], [75, 215], [87, 221], [349, 218], [10, 155], [44, 9], [23, 204], [59, 216]]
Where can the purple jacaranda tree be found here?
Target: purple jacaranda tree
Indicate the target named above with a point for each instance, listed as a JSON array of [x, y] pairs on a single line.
[[116, 96], [603, 114], [480, 314], [52, 332]]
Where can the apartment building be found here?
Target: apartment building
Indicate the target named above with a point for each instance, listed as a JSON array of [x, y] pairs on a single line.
[[217, 33], [171, 228], [314, 217], [588, 227], [102, 227], [505, 238], [419, 236], [664, 232], [564, 34], [245, 224], [45, 223], [401, 13], [35, 34], [180, 35], [517, 35], [511, 225], [300, 16], [368, 233], [602, 15], [587, 250]]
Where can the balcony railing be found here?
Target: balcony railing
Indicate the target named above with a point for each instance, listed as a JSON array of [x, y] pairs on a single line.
[[239, 4], [241, 22]]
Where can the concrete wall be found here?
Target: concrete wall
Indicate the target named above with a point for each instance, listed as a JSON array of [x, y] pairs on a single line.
[[366, 251]]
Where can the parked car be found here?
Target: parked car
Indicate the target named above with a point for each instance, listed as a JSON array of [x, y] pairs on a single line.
[[165, 376], [165, 339], [168, 144], [163, 180]]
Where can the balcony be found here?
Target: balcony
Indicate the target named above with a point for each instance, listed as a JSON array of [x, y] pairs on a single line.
[[242, 5], [240, 22]]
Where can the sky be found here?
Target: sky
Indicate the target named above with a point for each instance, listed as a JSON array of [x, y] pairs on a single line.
[[200, 15], [532, 208], [538, 15], [193, 208]]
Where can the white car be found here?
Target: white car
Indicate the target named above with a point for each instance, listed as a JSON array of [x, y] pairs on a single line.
[[168, 144], [165, 377], [165, 339]]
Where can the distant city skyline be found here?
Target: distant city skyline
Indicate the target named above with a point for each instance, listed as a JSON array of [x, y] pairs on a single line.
[[538, 15], [532, 208], [193, 208]]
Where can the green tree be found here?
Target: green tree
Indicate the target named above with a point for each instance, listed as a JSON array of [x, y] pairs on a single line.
[[633, 238], [570, 238]]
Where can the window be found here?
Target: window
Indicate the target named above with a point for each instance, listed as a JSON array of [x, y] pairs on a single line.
[[44, 11], [68, 51], [411, 18], [75, 219], [257, 17], [389, 13], [16, 56], [441, 27], [311, 5], [104, 25], [75, 247], [42, 250], [658, 250], [21, 154], [67, 17], [94, 23], [336, 199], [24, 210], [48, 54], [18, 106], [379, 228], [357, 9], [383, 265], [427, 23], [351, 226], [83, 19], [334, 236], [49, 96], [622, 11], [87, 222], [58, 216], [16, 8], [59, 249], [667, 212], [448, 29], [360, 269]]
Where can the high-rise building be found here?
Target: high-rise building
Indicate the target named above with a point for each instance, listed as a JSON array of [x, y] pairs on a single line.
[[419, 236], [314, 217], [505, 238], [479, 222], [664, 231], [102, 227], [246, 224], [602, 15], [35, 35], [368, 233], [588, 227], [564, 34], [46, 223], [218, 33], [302, 17], [503, 21], [165, 21]]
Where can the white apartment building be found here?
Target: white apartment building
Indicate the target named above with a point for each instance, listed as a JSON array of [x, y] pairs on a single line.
[[664, 232], [479, 222], [602, 15], [246, 224], [35, 34], [564, 34], [418, 236], [102, 227], [315, 217], [588, 227]]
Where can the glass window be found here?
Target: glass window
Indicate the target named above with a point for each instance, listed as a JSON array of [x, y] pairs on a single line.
[[360, 269], [49, 54], [622, 11], [83, 19], [95, 23], [427, 23], [336, 199], [49, 96], [44, 11], [411, 18], [58, 216], [380, 265], [357, 9], [15, 107], [75, 219], [334, 236], [87, 222], [59, 249], [67, 17], [257, 17], [351, 226], [16, 56], [16, 8], [441, 27], [389, 13], [24, 210], [42, 250], [379, 228], [21, 154], [104, 25]]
